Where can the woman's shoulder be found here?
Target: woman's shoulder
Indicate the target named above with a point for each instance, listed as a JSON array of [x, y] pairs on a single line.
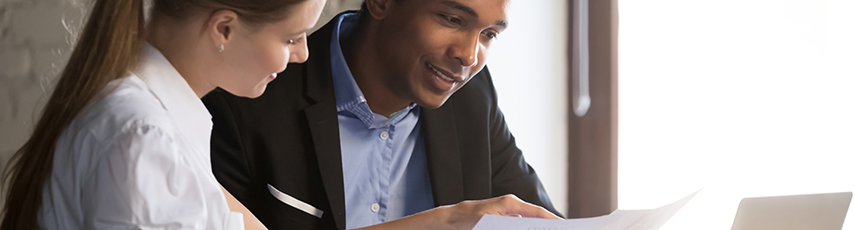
[[124, 104]]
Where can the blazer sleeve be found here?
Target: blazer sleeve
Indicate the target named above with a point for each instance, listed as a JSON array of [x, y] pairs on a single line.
[[229, 161], [511, 173]]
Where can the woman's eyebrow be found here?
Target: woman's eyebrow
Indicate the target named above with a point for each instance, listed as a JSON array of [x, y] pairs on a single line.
[[301, 32]]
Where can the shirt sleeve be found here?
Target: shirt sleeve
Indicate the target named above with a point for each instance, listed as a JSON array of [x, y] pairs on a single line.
[[141, 180]]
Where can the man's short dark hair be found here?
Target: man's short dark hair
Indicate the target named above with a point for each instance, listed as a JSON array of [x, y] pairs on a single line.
[[363, 10]]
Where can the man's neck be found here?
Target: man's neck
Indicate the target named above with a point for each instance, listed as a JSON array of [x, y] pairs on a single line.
[[360, 52]]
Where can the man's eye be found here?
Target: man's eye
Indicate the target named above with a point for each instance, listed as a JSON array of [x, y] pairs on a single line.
[[452, 20], [491, 35]]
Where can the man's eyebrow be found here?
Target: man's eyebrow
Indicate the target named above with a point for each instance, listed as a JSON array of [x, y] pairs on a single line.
[[469, 10], [502, 23], [461, 7]]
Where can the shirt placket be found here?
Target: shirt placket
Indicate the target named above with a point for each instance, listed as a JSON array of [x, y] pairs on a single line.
[[386, 173]]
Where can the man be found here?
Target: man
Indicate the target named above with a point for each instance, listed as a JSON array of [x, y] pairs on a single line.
[[367, 130]]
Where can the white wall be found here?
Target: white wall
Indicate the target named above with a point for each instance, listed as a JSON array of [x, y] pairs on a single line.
[[529, 67], [34, 45], [741, 97]]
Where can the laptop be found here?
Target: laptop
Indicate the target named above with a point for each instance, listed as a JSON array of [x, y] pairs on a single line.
[[799, 212]]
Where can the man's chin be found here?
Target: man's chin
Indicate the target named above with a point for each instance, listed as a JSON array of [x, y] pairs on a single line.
[[433, 103]]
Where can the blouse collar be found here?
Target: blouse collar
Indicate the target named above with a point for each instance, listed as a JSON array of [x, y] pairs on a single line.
[[175, 95]]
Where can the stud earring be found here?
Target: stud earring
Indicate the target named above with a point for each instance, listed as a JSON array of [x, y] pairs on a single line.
[[221, 48]]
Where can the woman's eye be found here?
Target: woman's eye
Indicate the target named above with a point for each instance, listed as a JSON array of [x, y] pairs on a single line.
[[295, 40]]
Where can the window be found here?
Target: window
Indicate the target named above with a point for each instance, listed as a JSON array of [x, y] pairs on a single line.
[[741, 97], [528, 65]]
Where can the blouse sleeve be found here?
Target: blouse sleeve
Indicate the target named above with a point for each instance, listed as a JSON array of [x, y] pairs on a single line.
[[141, 180]]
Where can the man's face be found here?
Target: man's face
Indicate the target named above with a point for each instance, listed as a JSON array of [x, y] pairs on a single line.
[[431, 48]]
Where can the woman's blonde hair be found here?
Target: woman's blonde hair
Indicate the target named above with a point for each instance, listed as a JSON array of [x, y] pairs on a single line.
[[110, 44]]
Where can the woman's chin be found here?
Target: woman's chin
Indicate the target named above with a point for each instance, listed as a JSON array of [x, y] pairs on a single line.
[[252, 93]]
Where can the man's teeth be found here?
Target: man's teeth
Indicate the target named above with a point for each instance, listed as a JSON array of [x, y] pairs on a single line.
[[442, 75]]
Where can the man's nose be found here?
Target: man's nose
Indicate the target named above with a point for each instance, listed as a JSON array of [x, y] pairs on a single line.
[[466, 51]]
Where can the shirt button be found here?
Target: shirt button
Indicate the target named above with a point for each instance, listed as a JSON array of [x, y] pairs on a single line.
[[384, 135], [375, 207]]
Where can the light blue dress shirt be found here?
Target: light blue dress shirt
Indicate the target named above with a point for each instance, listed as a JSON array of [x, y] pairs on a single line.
[[383, 159]]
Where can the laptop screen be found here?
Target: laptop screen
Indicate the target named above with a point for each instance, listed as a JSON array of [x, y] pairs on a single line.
[[799, 212]]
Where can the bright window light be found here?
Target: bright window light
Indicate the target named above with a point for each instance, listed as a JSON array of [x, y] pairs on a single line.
[[529, 68], [740, 97]]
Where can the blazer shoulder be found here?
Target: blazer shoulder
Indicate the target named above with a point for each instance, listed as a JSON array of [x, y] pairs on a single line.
[[479, 90]]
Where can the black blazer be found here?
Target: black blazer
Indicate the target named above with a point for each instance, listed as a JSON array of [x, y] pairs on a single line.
[[289, 138]]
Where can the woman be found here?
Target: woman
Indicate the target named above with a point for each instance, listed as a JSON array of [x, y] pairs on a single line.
[[123, 142]]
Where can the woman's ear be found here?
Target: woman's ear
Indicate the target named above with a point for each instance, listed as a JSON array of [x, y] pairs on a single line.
[[221, 26], [379, 9]]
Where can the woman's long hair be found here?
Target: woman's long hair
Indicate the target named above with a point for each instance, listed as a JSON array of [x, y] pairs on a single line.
[[110, 45]]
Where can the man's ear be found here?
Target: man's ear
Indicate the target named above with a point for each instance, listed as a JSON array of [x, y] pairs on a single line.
[[379, 9], [221, 26]]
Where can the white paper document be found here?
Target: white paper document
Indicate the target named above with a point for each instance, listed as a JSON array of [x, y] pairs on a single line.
[[651, 219]]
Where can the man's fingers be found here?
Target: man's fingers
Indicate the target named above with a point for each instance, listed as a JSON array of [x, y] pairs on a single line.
[[517, 207], [529, 210]]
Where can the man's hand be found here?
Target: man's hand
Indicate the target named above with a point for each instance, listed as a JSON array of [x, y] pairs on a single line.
[[465, 215]]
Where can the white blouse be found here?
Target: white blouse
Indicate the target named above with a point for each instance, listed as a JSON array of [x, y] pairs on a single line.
[[138, 157]]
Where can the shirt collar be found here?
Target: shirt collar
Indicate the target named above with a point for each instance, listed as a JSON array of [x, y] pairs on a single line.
[[347, 92], [175, 95], [348, 96]]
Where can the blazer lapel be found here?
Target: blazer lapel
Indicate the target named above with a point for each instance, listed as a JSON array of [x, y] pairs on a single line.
[[323, 121], [443, 154], [324, 129]]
